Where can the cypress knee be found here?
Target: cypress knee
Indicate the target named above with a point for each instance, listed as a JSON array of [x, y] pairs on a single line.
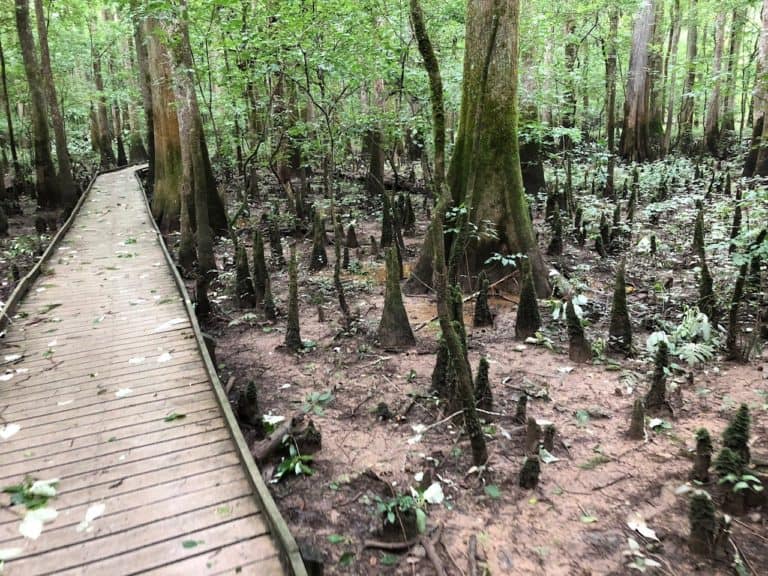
[[703, 520], [529, 474], [394, 329], [483, 394], [483, 315], [657, 395], [243, 285], [736, 435], [703, 458], [292, 331], [528, 320], [620, 331], [319, 259], [352, 237], [259, 270], [579, 348]]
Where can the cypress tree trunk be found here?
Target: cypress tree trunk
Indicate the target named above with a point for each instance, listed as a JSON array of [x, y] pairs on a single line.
[[734, 53], [192, 161], [46, 182], [671, 62], [66, 182], [9, 119], [166, 200], [760, 104], [656, 79], [569, 94], [106, 154], [610, 97], [145, 82], [485, 169], [712, 122], [635, 143], [685, 123]]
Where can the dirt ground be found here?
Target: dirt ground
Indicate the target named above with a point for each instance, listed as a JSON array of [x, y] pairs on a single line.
[[576, 521]]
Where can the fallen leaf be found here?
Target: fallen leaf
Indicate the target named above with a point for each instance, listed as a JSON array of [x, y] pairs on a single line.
[[637, 523], [9, 430], [9, 553], [164, 357], [191, 543], [434, 494], [5, 377], [34, 520], [123, 392], [174, 416], [93, 512], [136, 360]]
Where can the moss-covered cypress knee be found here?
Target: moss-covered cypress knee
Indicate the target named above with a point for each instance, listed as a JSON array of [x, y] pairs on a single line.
[[736, 435], [528, 320], [698, 234], [736, 224], [352, 237], [631, 205], [657, 394], [521, 409], [248, 411], [483, 394], [259, 271], [483, 315], [703, 457], [441, 375], [387, 222], [637, 423], [732, 336], [394, 329], [707, 303], [243, 285], [374, 247], [579, 348], [319, 258], [529, 474], [728, 463], [276, 258], [703, 521], [292, 331], [620, 331], [555, 247]]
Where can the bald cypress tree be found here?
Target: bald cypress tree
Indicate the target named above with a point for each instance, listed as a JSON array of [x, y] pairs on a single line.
[[394, 329]]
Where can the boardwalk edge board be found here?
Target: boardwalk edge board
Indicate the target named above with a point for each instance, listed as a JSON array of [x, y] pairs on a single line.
[[21, 289], [289, 549]]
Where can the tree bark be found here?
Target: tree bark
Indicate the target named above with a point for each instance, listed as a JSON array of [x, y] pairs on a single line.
[[485, 171], [610, 97], [106, 154], [760, 102], [9, 119], [145, 81], [657, 79], [193, 163], [671, 85], [46, 182], [685, 122], [635, 142], [734, 53], [712, 122], [66, 181]]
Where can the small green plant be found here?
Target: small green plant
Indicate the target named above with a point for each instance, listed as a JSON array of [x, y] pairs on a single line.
[[295, 462], [316, 402], [31, 493], [411, 376], [391, 509], [743, 482]]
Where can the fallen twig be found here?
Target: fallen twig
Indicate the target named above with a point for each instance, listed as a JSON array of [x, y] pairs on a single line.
[[612, 482], [472, 553], [429, 548], [381, 545]]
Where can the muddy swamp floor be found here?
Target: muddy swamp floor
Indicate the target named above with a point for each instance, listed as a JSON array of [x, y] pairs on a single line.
[[584, 515]]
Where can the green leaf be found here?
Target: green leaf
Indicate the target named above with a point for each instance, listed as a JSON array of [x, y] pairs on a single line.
[[174, 416], [336, 539], [493, 491], [346, 559], [588, 519], [192, 543], [388, 559], [421, 520]]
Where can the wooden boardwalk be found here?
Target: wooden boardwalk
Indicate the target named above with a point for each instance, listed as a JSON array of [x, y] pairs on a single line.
[[104, 380]]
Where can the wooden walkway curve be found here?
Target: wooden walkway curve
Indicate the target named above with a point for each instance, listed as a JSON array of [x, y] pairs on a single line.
[[105, 388]]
